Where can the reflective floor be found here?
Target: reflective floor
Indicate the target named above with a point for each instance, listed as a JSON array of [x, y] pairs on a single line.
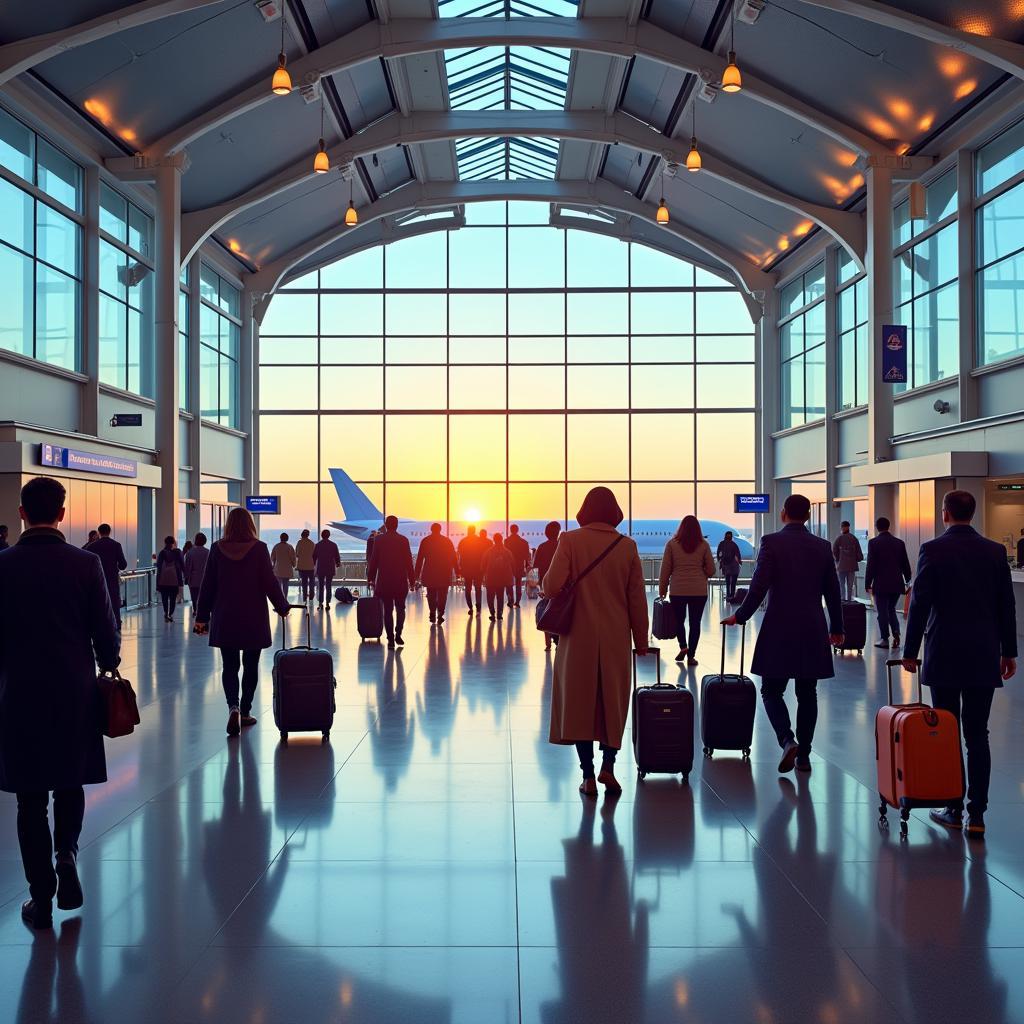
[[435, 862]]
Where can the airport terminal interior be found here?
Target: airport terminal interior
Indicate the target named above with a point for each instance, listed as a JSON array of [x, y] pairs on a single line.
[[459, 262]]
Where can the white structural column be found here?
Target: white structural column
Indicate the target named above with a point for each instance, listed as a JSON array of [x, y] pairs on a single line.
[[968, 397], [832, 371], [168, 255], [193, 517], [248, 390], [881, 497], [91, 302], [766, 416]]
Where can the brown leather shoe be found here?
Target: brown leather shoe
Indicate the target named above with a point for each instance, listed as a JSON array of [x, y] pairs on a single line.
[[607, 779], [248, 720], [588, 787]]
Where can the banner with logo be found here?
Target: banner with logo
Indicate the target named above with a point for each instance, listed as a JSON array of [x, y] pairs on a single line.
[[894, 354]]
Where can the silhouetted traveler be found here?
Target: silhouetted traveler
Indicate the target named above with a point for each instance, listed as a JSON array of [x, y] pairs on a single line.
[[795, 570], [56, 626], [195, 567], [471, 560], [962, 605], [591, 687], [886, 577], [848, 555], [238, 582], [1020, 551], [305, 565], [729, 562], [111, 556], [392, 575], [520, 551], [4, 543], [686, 567], [326, 558], [542, 562], [435, 563], [499, 575], [369, 545], [94, 535], [170, 574], [284, 560]]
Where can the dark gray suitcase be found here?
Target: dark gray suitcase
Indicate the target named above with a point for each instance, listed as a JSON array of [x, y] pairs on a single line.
[[728, 704], [663, 620], [370, 618], [304, 687], [662, 726]]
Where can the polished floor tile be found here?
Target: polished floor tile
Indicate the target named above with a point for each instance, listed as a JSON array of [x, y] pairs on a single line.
[[434, 861]]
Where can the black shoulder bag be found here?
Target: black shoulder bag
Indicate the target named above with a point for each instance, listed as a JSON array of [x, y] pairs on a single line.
[[554, 614]]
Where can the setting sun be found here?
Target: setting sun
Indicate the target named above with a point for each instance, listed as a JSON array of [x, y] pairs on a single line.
[[472, 515]]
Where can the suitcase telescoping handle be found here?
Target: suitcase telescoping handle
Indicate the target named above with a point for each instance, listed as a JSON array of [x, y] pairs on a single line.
[[309, 626], [898, 662], [743, 647], [656, 651]]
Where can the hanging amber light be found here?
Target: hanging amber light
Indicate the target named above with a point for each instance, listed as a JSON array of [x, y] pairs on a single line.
[[732, 80], [662, 216], [282, 82], [321, 162], [693, 160], [351, 215]]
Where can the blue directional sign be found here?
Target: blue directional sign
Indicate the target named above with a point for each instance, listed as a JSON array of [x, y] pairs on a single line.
[[751, 503], [265, 504], [86, 462]]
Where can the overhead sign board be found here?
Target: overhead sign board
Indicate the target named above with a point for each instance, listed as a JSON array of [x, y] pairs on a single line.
[[751, 503], [894, 353], [263, 504], [1011, 487], [126, 419], [86, 462]]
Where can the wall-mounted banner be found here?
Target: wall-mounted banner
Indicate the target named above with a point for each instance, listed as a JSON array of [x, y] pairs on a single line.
[[894, 354], [265, 504], [86, 462]]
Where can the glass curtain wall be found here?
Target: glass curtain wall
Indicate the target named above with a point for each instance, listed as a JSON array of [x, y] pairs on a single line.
[[220, 328], [852, 332], [497, 372], [802, 341]]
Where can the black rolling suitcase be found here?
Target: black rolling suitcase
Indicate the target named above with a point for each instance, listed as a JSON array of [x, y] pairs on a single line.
[[855, 627], [662, 726], [370, 618], [728, 703], [663, 620], [304, 687]]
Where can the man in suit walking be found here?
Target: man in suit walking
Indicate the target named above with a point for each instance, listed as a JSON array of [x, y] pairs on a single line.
[[886, 576], [392, 576], [962, 605], [435, 563], [111, 556], [521, 562], [795, 570], [56, 625]]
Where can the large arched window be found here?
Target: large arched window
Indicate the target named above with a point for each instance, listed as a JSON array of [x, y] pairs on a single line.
[[500, 370]]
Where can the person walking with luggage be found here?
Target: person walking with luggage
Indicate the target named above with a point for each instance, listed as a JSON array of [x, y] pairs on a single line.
[[499, 575], [305, 565], [520, 551], [886, 578], [848, 555], [326, 558], [795, 570], [195, 567], [471, 557], [542, 562], [435, 563], [170, 575], [592, 679], [111, 556], [284, 560], [392, 574], [729, 563], [238, 582], [686, 567], [963, 598], [56, 627]]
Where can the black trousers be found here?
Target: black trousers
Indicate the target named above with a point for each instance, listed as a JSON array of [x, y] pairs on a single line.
[[474, 583], [324, 584], [971, 706], [586, 756], [250, 662], [885, 608], [517, 588], [773, 693], [730, 583], [36, 842], [394, 616], [437, 600], [168, 598], [495, 596], [307, 584], [694, 607]]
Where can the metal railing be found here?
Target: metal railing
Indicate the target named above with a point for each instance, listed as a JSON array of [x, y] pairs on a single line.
[[138, 588]]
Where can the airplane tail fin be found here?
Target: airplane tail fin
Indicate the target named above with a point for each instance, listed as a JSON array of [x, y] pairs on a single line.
[[354, 503]]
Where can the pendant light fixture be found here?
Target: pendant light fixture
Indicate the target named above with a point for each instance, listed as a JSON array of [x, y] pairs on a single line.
[[321, 162], [693, 159], [732, 80], [351, 216], [662, 215], [282, 83]]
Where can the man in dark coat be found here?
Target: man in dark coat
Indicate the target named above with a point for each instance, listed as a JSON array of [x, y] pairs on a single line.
[[521, 562], [392, 575], [795, 570], [326, 558], [56, 625], [471, 560], [962, 605], [435, 563], [886, 577], [111, 556]]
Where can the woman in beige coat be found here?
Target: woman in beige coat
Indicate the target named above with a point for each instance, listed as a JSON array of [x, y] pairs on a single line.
[[686, 567], [591, 688]]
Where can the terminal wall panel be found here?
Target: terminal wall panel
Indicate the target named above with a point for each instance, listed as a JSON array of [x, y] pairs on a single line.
[[33, 396], [223, 453], [852, 434], [799, 453], [139, 437], [1001, 391], [917, 411]]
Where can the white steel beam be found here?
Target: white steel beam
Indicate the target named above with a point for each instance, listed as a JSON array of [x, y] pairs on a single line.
[[434, 195], [1000, 53], [615, 36], [395, 130], [23, 54]]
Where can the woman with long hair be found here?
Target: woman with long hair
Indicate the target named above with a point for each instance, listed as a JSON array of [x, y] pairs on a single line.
[[170, 575], [686, 567], [238, 581]]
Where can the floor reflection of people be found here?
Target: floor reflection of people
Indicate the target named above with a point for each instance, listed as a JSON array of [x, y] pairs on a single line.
[[602, 938], [549, 757], [392, 726], [51, 988], [440, 701]]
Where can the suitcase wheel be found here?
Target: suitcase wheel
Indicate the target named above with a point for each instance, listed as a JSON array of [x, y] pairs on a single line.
[[284, 736], [686, 777], [708, 751], [326, 735], [746, 753], [904, 815], [640, 775]]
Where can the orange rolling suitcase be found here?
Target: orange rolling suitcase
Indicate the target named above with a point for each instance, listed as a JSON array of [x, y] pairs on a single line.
[[917, 754]]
